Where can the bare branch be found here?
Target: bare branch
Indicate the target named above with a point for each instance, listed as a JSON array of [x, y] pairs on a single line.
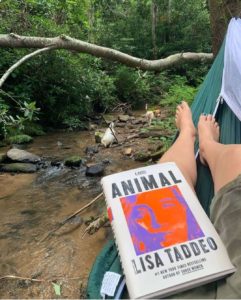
[[68, 43], [21, 61]]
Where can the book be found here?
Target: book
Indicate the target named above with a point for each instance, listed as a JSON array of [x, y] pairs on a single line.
[[165, 240]]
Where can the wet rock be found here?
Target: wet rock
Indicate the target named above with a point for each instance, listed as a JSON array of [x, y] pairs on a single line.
[[94, 169], [73, 161], [22, 156], [106, 161], [91, 150], [3, 157], [19, 168], [123, 118], [98, 136], [56, 163]]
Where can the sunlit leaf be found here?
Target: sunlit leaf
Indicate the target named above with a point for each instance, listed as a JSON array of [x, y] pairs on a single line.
[[57, 289]]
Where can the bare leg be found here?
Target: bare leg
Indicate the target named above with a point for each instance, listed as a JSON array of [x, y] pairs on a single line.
[[182, 151], [224, 161]]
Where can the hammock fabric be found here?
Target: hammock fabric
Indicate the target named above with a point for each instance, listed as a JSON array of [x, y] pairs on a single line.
[[204, 102]]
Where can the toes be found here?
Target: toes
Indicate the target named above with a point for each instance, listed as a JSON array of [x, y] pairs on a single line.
[[209, 118], [202, 117]]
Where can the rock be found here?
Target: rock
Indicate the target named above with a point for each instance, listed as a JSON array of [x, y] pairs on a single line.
[[140, 156], [138, 121], [73, 161], [120, 124], [20, 139], [123, 118], [91, 150], [106, 161], [56, 163], [22, 156], [147, 134], [98, 136], [94, 169], [127, 151], [19, 168], [3, 156], [92, 126], [109, 118]]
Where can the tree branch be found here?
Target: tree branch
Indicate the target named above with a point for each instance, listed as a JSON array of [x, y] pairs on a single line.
[[68, 43], [21, 61]]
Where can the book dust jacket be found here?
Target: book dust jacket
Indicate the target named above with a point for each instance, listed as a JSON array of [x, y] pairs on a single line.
[[165, 240]]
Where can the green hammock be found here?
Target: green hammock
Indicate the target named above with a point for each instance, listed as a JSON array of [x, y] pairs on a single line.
[[204, 102]]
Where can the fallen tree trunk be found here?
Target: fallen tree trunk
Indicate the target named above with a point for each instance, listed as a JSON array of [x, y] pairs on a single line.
[[65, 42]]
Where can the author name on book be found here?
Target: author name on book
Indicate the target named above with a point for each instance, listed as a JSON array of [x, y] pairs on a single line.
[[178, 253]]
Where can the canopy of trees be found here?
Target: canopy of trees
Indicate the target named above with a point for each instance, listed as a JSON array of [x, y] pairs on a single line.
[[68, 86]]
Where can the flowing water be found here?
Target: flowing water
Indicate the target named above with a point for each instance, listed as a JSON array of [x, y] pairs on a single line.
[[32, 204]]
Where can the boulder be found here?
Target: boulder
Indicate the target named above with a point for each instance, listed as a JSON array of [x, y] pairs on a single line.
[[22, 156], [123, 118], [94, 169], [73, 161], [19, 168]]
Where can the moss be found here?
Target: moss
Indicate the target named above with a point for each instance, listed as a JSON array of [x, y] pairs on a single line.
[[19, 168], [20, 139], [73, 161]]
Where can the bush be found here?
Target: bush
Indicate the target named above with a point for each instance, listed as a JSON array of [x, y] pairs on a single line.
[[20, 139], [132, 86], [179, 91]]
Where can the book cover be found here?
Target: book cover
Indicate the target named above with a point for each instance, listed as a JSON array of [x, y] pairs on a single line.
[[165, 240]]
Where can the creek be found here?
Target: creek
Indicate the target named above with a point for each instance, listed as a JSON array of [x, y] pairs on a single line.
[[32, 204]]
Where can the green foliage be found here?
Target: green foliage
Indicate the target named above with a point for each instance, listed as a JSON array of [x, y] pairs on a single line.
[[20, 139], [33, 129], [69, 87], [131, 86], [10, 123], [179, 91]]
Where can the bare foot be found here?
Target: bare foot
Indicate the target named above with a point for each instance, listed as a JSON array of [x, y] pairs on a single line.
[[208, 131], [183, 119]]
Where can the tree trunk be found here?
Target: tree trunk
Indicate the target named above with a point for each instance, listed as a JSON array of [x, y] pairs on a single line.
[[91, 20], [154, 10], [221, 11]]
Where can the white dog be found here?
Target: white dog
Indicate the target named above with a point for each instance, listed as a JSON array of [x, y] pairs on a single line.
[[108, 137]]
